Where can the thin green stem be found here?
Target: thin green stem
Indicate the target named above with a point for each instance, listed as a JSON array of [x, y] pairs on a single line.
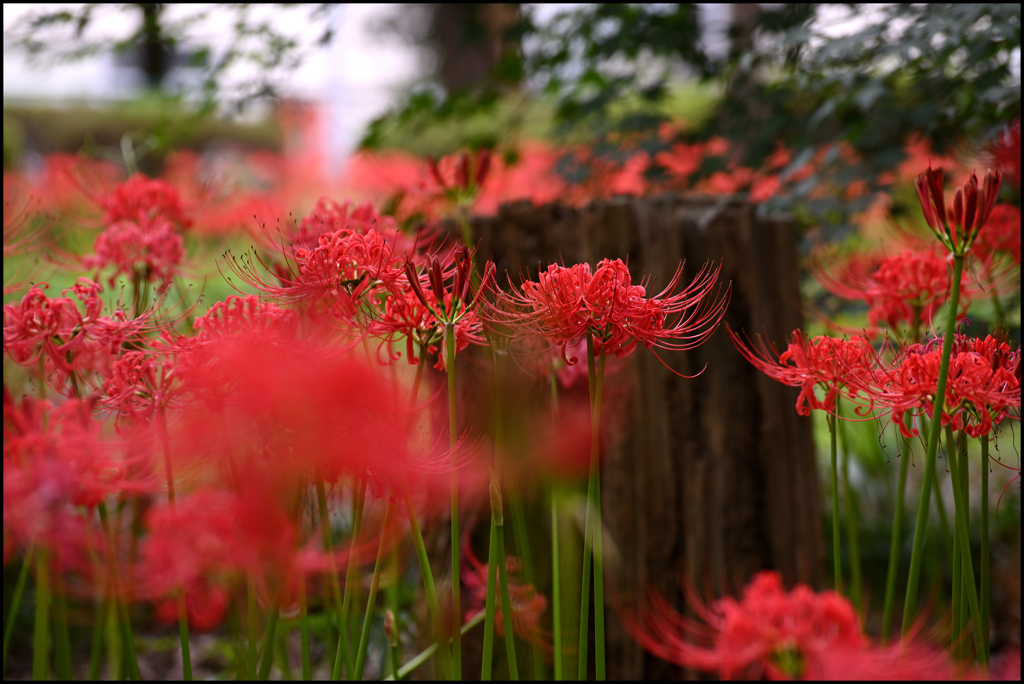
[[250, 618], [307, 669], [121, 606], [328, 543], [984, 570], [269, 641], [61, 642], [428, 585], [956, 616], [19, 592], [944, 533], [968, 586], [96, 649], [837, 555], [917, 554], [593, 529], [492, 580], [179, 591], [895, 543], [506, 605], [556, 588], [453, 437], [343, 654], [850, 512], [41, 639], [364, 634], [429, 651]]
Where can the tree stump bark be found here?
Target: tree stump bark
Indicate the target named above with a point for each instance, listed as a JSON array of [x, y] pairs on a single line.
[[714, 477]]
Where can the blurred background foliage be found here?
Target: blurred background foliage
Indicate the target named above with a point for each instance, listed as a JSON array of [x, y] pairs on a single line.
[[613, 74]]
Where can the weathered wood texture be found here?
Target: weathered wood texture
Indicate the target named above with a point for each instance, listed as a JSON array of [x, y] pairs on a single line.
[[715, 476]]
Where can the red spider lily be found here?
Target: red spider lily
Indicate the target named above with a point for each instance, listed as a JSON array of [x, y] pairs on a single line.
[[1005, 153], [218, 538], [772, 633], [291, 411], [406, 315], [567, 303], [459, 177], [1001, 235], [205, 606], [831, 362], [528, 605], [55, 461], [957, 226], [983, 387], [69, 342], [442, 307], [909, 287], [150, 246], [342, 272], [142, 200], [140, 384]]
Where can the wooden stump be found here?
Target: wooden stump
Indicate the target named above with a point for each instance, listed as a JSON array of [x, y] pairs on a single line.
[[714, 477]]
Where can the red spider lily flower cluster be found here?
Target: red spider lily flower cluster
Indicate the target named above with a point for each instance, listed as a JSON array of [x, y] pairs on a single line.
[[141, 199], [1001, 235], [568, 302], [65, 340], [424, 308], [829, 362], [957, 226], [144, 219], [778, 634], [55, 461], [909, 287], [983, 387]]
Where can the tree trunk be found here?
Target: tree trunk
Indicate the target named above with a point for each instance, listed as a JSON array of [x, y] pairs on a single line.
[[713, 478]]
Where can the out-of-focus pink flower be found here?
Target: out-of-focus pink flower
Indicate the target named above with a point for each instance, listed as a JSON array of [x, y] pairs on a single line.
[[906, 288], [779, 634], [528, 605], [142, 200], [152, 247]]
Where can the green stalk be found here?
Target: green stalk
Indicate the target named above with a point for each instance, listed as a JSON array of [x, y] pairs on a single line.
[[960, 518], [506, 604], [965, 543], [96, 649], [593, 529], [453, 436], [492, 580], [328, 542], [61, 642], [41, 640], [984, 570], [556, 588], [343, 655], [428, 585], [429, 651], [179, 591], [19, 592], [956, 618], [364, 635], [120, 604], [269, 640], [850, 512], [837, 559], [917, 554], [307, 669], [250, 618], [894, 544]]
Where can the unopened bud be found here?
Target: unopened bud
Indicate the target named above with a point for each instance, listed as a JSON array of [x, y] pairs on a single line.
[[391, 629], [496, 514]]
